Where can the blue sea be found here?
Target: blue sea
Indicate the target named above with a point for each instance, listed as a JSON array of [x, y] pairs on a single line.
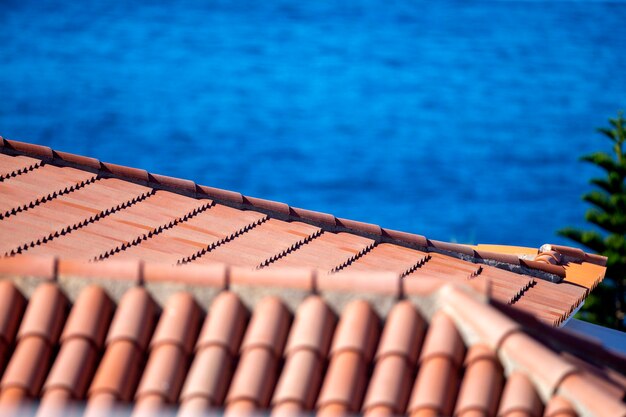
[[459, 120]]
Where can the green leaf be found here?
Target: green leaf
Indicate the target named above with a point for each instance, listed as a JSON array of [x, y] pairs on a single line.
[[605, 161], [591, 239], [601, 200]]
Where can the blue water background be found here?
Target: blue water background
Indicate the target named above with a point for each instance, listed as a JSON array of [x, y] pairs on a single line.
[[459, 120]]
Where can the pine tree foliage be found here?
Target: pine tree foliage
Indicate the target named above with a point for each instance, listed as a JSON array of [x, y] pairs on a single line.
[[607, 304]]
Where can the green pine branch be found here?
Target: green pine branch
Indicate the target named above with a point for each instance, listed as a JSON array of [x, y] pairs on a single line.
[[607, 304]]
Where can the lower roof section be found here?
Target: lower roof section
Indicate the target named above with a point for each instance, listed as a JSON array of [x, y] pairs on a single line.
[[63, 205], [197, 339]]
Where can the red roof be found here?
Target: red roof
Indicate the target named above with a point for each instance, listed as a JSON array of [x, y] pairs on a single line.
[[286, 341], [60, 204], [122, 287]]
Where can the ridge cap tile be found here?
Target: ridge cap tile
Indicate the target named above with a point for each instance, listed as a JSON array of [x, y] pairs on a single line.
[[522, 352], [451, 247], [542, 266], [29, 148], [315, 216], [261, 203], [42, 267], [220, 194], [588, 399], [485, 324], [71, 158], [213, 275], [498, 257], [137, 174], [406, 237], [382, 283], [369, 228], [120, 269], [173, 182], [292, 278]]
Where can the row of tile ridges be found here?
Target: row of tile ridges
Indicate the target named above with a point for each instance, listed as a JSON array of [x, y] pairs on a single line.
[[496, 333], [202, 208], [281, 209]]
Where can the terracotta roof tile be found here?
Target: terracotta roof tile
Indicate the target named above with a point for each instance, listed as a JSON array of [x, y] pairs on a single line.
[[445, 266], [358, 330], [344, 383], [134, 319], [313, 328], [126, 227], [482, 383], [189, 240], [241, 367], [90, 317], [96, 210], [170, 350], [332, 360], [179, 324], [118, 372], [403, 333], [12, 304], [436, 385], [590, 399], [558, 406], [39, 185], [81, 342], [395, 362], [519, 398], [307, 347], [11, 166], [300, 380], [328, 252], [262, 245], [388, 257], [389, 387], [350, 356]]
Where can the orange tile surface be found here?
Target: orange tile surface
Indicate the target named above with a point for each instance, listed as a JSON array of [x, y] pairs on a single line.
[[52, 209], [344, 334], [319, 354]]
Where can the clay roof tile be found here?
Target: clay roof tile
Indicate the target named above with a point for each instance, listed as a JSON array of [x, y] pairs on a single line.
[[134, 319], [358, 330], [179, 323]]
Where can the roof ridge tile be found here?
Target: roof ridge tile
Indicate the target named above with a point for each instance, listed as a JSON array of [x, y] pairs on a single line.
[[27, 148]]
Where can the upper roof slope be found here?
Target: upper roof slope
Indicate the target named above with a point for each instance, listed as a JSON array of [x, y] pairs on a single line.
[[55, 203]]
